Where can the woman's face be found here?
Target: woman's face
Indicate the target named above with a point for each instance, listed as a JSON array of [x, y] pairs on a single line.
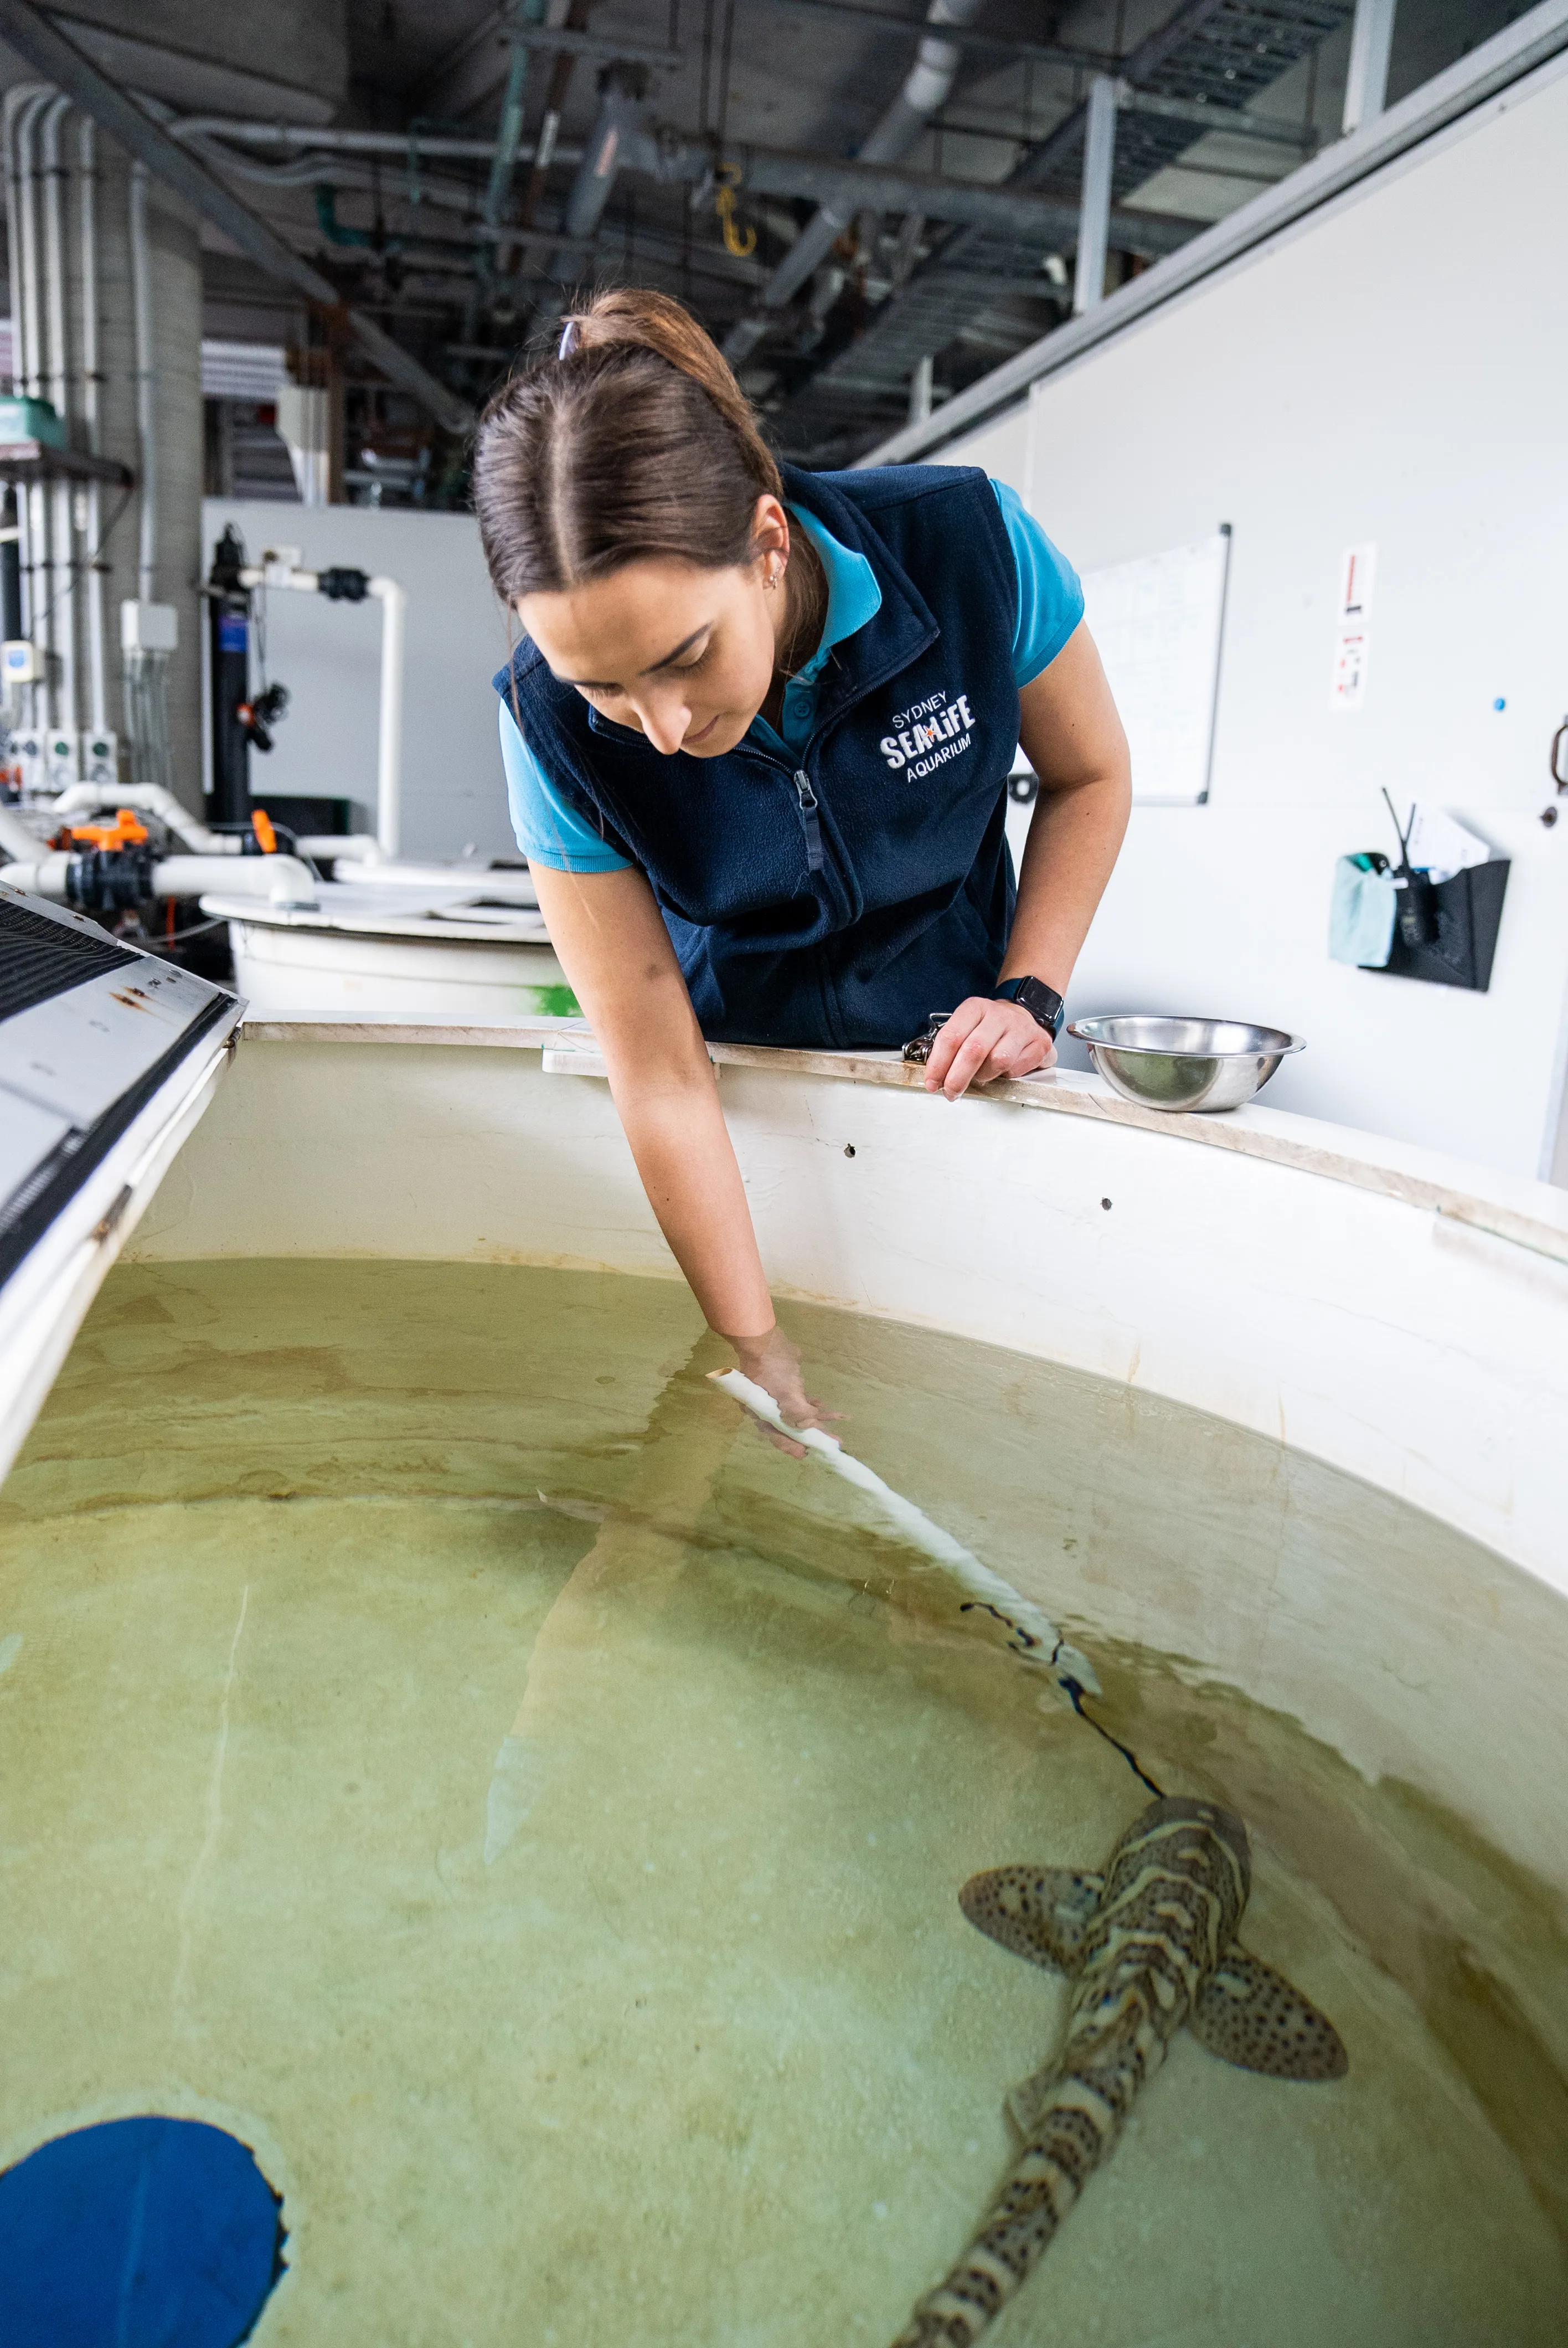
[[685, 656]]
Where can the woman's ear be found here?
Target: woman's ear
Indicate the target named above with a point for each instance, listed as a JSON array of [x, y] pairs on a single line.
[[770, 534]]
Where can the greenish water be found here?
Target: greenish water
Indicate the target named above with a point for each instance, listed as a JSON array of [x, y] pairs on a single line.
[[440, 1743]]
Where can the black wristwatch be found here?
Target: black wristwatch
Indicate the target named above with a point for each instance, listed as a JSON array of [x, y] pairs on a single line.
[[1043, 1003]]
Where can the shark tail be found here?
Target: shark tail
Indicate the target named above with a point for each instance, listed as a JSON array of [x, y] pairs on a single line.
[[1078, 2128]]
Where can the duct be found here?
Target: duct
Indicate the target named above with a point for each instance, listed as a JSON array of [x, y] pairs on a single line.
[[925, 90], [616, 134], [45, 47], [1094, 217]]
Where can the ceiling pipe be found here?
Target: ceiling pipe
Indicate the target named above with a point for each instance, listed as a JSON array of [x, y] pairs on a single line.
[[844, 189], [660, 154], [49, 52], [926, 90]]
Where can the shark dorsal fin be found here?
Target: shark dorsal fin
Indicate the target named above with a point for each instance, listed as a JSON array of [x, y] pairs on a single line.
[[1249, 2015], [1037, 1912]]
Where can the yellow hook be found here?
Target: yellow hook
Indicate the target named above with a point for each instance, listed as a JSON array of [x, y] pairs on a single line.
[[738, 245]]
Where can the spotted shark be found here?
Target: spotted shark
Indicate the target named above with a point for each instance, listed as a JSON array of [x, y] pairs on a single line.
[[1150, 1945]]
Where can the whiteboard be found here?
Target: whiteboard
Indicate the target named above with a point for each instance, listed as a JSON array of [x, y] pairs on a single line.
[[1158, 622]]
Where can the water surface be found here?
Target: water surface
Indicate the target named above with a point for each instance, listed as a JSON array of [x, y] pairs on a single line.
[[440, 1742]]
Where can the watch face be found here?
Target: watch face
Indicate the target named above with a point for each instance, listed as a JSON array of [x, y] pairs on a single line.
[[1041, 1003]]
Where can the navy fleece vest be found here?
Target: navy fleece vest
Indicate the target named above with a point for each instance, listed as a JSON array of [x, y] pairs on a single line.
[[844, 922]]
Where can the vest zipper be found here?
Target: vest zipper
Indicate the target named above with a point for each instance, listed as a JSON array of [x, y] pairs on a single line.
[[807, 799]]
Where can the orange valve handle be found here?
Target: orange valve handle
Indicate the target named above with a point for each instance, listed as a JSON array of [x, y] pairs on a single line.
[[128, 831], [261, 825]]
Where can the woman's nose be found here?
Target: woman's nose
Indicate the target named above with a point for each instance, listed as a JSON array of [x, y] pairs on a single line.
[[666, 722]]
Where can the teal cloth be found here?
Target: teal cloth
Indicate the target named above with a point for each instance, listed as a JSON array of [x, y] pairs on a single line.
[[1049, 607], [1362, 915]]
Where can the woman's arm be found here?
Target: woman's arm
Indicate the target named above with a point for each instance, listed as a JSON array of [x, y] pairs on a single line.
[[616, 952], [1072, 737]]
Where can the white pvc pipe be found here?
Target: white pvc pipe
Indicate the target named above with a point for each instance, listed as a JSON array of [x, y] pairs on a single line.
[[146, 422], [282, 879], [63, 596], [43, 877], [40, 614], [16, 839], [24, 94], [393, 602], [343, 848], [97, 676]]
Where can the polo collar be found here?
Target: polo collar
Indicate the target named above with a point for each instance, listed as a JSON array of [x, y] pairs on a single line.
[[854, 597], [894, 630]]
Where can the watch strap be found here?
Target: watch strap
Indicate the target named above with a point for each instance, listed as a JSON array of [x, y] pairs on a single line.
[[1043, 1003]]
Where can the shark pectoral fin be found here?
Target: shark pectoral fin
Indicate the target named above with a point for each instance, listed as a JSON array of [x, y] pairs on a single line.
[[1249, 2015], [1037, 1912], [1025, 2104]]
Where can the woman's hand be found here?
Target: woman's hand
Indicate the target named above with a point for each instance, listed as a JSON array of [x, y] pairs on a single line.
[[771, 1362], [983, 1040]]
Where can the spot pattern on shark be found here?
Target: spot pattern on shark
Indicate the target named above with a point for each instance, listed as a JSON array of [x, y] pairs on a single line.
[[1151, 1945]]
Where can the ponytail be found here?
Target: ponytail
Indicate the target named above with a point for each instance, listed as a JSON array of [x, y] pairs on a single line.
[[635, 444]]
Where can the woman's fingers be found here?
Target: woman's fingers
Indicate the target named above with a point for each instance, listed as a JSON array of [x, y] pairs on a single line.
[[983, 1041], [774, 1364]]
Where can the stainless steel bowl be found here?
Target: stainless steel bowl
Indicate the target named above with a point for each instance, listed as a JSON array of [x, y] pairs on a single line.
[[1184, 1063]]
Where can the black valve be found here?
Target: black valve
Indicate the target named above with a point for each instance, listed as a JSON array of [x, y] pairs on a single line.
[[256, 718], [344, 586], [109, 879]]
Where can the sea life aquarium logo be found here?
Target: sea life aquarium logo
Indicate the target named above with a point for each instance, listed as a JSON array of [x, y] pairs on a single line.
[[928, 735]]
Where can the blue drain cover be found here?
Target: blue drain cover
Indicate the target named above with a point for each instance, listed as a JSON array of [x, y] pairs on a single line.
[[141, 2233]]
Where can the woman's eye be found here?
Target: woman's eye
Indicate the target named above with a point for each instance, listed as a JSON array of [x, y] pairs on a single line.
[[685, 668]]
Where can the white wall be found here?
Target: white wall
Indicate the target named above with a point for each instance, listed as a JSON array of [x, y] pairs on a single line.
[[328, 654], [1393, 369]]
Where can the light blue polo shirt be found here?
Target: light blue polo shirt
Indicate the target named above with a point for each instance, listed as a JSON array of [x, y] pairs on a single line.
[[1049, 607]]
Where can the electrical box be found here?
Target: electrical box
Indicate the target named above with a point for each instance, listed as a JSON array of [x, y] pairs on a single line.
[[28, 748], [148, 627], [61, 759], [100, 758], [21, 662]]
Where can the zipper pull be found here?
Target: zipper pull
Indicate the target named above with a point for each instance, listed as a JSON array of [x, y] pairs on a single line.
[[807, 799]]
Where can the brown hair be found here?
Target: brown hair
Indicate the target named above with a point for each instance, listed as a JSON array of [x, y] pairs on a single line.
[[636, 444]]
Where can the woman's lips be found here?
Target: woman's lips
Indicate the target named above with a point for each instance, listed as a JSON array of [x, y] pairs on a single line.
[[693, 739]]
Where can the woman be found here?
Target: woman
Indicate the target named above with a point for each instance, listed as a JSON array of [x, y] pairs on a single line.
[[757, 740]]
